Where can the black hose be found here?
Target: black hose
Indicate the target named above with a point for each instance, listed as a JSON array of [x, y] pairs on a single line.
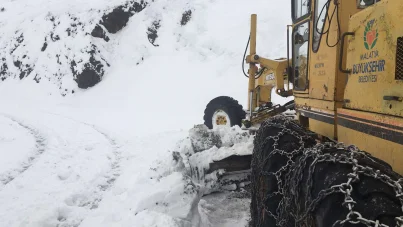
[[243, 59], [330, 19], [258, 74], [326, 6]]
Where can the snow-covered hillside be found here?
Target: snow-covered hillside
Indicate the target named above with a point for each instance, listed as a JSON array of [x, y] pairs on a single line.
[[170, 83], [86, 157]]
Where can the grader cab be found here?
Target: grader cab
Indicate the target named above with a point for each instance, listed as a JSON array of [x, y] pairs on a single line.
[[336, 158]]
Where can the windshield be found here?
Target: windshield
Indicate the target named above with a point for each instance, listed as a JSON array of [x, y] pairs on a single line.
[[300, 8]]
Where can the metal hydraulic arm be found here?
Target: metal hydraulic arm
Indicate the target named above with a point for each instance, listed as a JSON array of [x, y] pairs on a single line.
[[279, 70]]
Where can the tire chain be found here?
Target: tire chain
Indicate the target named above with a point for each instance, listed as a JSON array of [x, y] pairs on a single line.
[[293, 175], [281, 123]]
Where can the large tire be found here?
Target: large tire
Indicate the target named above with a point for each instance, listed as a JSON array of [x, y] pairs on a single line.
[[228, 105], [298, 183], [277, 143], [314, 198]]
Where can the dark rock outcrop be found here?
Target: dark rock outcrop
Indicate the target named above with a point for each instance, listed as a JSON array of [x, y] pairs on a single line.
[[87, 67], [91, 75], [18, 40], [54, 37], [25, 69], [186, 16], [152, 32], [92, 72], [99, 32], [37, 79], [118, 18], [3, 69], [113, 22], [45, 45]]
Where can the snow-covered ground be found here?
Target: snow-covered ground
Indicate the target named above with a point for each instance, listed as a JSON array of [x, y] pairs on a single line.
[[104, 156], [59, 171]]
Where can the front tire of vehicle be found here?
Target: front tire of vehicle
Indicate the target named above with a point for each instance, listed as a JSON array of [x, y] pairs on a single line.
[[231, 111]]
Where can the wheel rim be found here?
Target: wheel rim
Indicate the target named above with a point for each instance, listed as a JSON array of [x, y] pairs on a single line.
[[221, 119]]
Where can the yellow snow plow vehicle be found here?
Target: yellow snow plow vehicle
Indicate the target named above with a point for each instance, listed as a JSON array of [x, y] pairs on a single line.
[[338, 160]]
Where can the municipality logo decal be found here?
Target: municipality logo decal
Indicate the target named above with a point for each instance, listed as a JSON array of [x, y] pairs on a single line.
[[370, 35]]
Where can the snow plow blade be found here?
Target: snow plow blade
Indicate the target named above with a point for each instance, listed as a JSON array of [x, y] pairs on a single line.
[[228, 174], [219, 159], [234, 163]]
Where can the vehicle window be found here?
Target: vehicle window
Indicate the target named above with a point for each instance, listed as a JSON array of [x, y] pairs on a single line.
[[300, 55], [300, 8], [320, 16]]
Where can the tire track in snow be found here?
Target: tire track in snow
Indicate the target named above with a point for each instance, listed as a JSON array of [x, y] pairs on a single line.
[[92, 202], [40, 148], [114, 171]]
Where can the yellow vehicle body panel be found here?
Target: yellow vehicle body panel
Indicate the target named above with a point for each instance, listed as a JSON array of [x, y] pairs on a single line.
[[380, 135], [321, 115], [371, 57], [363, 107], [321, 128], [325, 80], [351, 108]]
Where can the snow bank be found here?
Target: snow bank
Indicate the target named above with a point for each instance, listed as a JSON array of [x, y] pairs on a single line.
[[201, 138]]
